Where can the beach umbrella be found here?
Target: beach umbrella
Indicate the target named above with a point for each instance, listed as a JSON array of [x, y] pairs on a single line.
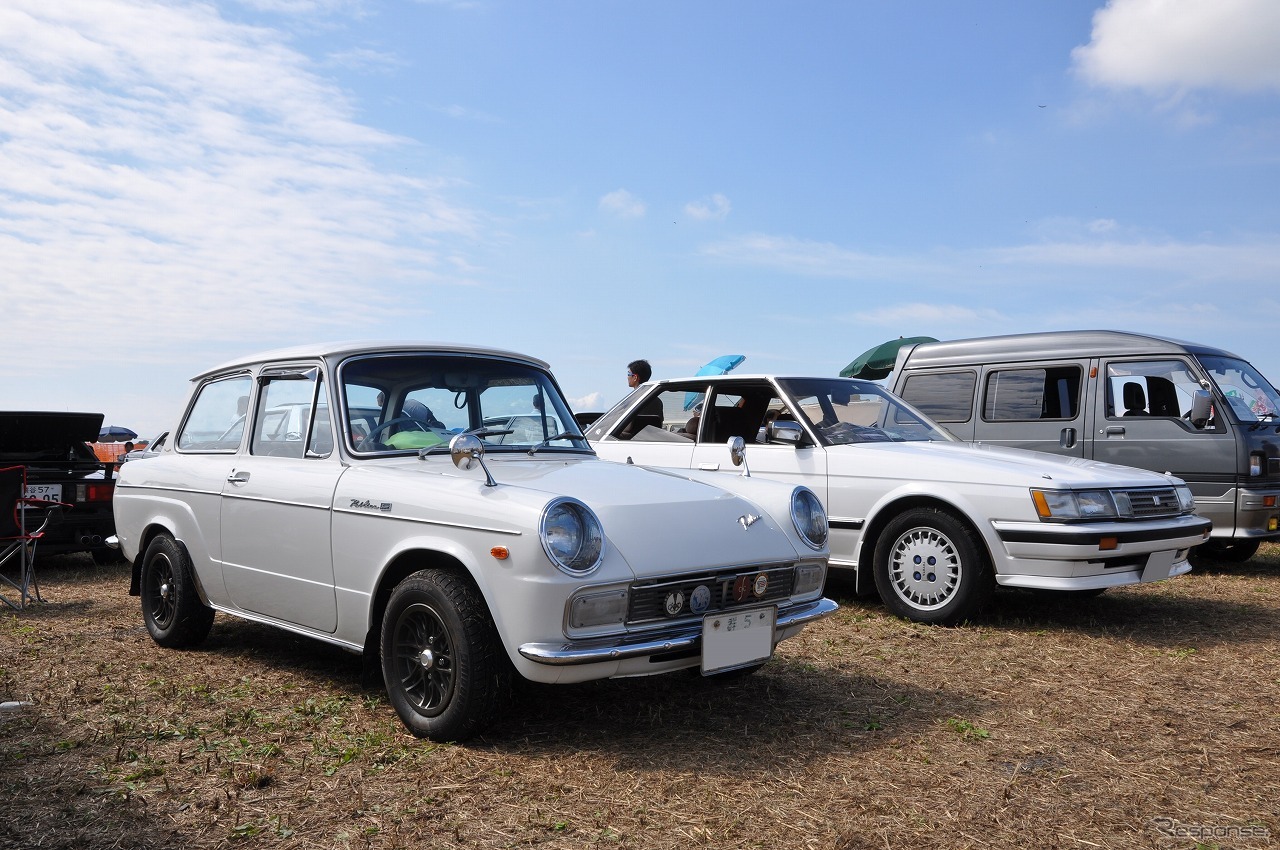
[[116, 434], [722, 364], [877, 362]]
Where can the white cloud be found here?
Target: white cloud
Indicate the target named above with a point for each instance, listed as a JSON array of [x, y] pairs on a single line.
[[1184, 44], [913, 316], [716, 207], [622, 204], [590, 401], [806, 257], [157, 154]]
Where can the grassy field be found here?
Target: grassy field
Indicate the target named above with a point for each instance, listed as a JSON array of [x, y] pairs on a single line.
[[1146, 717]]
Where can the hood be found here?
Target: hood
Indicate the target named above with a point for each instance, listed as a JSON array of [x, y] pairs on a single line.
[[33, 433], [660, 522], [998, 465]]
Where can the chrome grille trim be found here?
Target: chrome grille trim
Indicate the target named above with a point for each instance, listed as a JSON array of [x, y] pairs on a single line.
[[1147, 502], [647, 602]]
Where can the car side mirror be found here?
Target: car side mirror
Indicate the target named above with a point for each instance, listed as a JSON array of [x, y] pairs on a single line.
[[738, 454], [467, 452], [784, 432], [1201, 408]]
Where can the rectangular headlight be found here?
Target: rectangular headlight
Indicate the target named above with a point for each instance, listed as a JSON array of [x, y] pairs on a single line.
[[598, 609], [1073, 504]]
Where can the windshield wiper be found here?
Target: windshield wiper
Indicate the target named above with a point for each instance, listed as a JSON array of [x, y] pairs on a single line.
[[563, 435]]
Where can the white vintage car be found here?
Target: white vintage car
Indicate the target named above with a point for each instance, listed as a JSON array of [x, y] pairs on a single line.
[[419, 504], [934, 523]]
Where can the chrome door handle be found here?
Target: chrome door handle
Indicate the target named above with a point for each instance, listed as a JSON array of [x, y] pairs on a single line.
[[238, 477], [709, 467], [1114, 430]]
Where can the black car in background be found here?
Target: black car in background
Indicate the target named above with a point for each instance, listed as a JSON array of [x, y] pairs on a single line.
[[61, 467]]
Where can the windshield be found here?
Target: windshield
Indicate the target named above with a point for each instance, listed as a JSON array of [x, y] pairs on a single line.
[[420, 401], [844, 411], [1251, 396]]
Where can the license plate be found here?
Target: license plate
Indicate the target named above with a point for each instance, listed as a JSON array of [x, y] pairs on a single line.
[[45, 492], [737, 638]]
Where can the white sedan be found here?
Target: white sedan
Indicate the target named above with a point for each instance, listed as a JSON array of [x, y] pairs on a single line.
[[934, 523], [421, 505]]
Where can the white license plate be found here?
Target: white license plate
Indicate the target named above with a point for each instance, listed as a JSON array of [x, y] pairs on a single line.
[[737, 638], [46, 492]]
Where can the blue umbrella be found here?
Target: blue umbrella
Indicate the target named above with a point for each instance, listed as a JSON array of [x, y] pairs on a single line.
[[722, 364], [116, 434]]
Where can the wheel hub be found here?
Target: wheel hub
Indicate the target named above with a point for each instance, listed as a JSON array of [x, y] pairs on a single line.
[[165, 591], [926, 569], [427, 659]]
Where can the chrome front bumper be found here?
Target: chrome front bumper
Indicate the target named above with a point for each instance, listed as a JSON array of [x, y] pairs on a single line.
[[687, 636]]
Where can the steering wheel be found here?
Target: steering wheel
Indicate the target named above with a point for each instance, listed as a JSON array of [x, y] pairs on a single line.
[[399, 420]]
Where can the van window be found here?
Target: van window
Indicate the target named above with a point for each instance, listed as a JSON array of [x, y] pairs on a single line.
[[1149, 388], [1022, 395], [945, 397]]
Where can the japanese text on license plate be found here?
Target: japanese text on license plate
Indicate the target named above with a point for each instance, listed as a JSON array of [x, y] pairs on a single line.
[[737, 638]]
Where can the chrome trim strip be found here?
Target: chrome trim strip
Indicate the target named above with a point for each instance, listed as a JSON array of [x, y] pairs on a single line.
[[421, 521], [688, 636]]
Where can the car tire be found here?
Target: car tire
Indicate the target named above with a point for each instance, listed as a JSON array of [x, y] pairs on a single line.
[[931, 567], [175, 615], [445, 670], [1230, 551]]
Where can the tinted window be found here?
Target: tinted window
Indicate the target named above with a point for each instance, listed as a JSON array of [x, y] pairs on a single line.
[[944, 398], [1020, 395]]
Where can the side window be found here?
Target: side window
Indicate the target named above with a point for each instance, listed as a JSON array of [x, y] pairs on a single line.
[[946, 397], [1149, 388], [671, 416], [1023, 395], [215, 422], [282, 425]]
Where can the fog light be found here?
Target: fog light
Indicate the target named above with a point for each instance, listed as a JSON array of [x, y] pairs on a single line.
[[1271, 524], [598, 609]]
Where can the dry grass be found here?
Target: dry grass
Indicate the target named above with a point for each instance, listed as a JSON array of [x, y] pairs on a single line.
[[1047, 724]]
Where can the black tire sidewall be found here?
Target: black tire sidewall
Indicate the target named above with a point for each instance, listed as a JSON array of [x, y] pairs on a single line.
[[479, 676], [192, 619], [976, 579]]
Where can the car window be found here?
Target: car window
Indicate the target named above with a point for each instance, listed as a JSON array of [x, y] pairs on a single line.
[[422, 401], [1145, 388], [843, 411], [945, 397], [1029, 394], [215, 421]]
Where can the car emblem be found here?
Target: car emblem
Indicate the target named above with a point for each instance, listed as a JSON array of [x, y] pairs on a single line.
[[366, 503], [741, 588], [760, 585], [747, 520], [675, 603], [700, 599]]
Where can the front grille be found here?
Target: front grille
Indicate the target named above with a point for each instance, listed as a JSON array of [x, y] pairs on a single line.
[[1146, 503], [727, 590]]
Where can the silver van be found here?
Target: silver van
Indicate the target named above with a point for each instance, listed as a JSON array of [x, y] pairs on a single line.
[[1200, 413]]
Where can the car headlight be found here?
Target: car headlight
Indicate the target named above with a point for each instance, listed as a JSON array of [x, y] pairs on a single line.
[[571, 536], [809, 517], [1074, 504]]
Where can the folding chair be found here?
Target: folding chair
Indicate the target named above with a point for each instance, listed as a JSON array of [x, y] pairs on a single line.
[[15, 539]]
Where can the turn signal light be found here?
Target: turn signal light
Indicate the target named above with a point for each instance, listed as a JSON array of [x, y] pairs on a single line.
[[1106, 544], [500, 552]]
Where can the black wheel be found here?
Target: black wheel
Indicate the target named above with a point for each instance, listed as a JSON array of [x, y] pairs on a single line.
[[172, 609], [1231, 551], [445, 669], [931, 567]]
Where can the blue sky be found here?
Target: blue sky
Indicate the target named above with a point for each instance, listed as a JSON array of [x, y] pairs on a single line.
[[591, 182]]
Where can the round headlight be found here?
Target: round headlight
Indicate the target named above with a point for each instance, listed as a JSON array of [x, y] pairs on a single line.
[[809, 517], [572, 536]]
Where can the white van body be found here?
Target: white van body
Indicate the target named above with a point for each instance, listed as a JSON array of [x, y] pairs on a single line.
[[1200, 413]]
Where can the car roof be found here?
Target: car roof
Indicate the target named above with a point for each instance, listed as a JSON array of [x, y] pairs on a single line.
[[338, 350], [1049, 345]]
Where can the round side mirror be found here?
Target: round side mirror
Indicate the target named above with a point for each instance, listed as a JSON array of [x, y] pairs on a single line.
[[466, 451], [737, 450]]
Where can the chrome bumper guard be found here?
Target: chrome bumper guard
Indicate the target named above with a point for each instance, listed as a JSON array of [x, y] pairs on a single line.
[[683, 637]]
